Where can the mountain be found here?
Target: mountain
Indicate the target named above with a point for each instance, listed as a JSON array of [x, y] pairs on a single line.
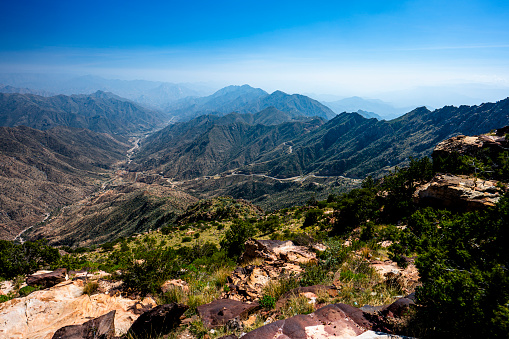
[[353, 146], [44, 170], [209, 144], [294, 104], [246, 99], [354, 104], [12, 89], [151, 93], [348, 145], [224, 101], [99, 112]]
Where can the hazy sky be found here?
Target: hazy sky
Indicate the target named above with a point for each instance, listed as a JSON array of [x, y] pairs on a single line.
[[386, 49]]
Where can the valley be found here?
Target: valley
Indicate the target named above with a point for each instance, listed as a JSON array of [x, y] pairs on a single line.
[[276, 210]]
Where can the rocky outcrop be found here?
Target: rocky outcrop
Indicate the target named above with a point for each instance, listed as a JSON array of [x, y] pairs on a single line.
[[102, 327], [275, 250], [158, 321], [405, 279], [246, 283], [221, 311], [46, 280], [41, 313], [458, 192]]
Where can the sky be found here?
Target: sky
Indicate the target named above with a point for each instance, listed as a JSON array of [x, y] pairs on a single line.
[[406, 52]]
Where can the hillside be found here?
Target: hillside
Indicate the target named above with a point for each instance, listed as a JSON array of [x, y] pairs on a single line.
[[43, 170], [353, 146], [100, 112]]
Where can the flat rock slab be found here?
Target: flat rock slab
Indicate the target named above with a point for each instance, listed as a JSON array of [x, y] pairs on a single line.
[[273, 250], [219, 312], [47, 280], [102, 327], [40, 314]]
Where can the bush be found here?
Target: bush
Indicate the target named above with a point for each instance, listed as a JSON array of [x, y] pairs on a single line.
[[24, 291], [90, 288], [235, 237], [312, 217], [268, 302], [25, 258]]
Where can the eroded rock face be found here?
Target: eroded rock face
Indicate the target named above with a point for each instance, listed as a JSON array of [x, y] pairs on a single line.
[[102, 327], [458, 192], [47, 280], [42, 313], [274, 250], [246, 283], [158, 321]]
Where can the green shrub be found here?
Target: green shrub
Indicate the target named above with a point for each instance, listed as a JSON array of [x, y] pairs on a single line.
[[235, 237], [268, 302], [90, 287], [24, 291], [312, 217], [186, 239], [26, 258]]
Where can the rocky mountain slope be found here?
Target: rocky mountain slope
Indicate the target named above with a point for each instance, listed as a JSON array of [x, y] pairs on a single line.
[[99, 112], [348, 145], [43, 170]]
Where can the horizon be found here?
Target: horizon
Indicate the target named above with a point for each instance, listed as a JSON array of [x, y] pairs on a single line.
[[405, 53]]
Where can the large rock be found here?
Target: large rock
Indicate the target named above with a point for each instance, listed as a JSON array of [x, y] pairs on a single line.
[[41, 313], [47, 280], [274, 250], [332, 321], [102, 327], [158, 321], [221, 311], [246, 283], [458, 192], [405, 279]]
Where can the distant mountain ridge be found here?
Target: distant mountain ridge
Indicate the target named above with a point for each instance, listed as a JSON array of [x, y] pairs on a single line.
[[380, 108], [99, 112], [246, 99]]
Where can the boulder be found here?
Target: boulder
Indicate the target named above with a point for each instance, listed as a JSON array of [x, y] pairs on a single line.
[[405, 279], [458, 192], [222, 311], [332, 321], [102, 327], [47, 280], [158, 321], [246, 283], [43, 312], [175, 283], [274, 250]]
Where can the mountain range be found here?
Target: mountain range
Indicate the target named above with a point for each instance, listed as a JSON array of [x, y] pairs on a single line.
[[99, 112], [246, 99]]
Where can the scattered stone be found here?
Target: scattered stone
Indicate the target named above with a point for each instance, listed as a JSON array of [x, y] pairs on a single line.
[[310, 292], [47, 280], [404, 279], [168, 285], [102, 327], [219, 312], [158, 321], [398, 308]]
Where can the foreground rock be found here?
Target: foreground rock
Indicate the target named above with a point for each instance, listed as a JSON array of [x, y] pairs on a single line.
[[458, 192], [221, 311], [46, 280], [42, 313], [158, 321], [102, 327]]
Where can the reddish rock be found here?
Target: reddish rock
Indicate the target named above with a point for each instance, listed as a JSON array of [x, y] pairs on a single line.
[[158, 321], [102, 327], [219, 312], [47, 280], [332, 321]]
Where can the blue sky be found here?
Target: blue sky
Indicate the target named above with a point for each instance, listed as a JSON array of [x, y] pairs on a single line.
[[386, 49]]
